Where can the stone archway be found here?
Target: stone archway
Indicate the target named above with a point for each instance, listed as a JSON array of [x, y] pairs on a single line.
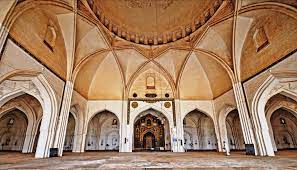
[[70, 133], [38, 87], [199, 132], [276, 83], [275, 103], [103, 132], [13, 127], [30, 107], [284, 125], [234, 131]]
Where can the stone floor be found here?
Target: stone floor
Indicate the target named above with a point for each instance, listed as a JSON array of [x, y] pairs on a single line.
[[147, 160]]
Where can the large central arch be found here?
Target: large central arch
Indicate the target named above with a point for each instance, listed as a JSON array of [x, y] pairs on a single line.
[[157, 112]]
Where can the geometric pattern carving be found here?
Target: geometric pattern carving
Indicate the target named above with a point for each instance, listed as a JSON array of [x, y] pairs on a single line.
[[290, 86], [9, 86]]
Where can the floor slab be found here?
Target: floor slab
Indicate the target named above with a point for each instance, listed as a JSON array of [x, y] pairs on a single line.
[[147, 160]]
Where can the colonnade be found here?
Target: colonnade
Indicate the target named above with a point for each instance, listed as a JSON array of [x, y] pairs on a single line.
[[104, 131]]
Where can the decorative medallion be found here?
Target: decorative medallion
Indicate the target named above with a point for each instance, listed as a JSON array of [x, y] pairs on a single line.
[[167, 104], [134, 105]]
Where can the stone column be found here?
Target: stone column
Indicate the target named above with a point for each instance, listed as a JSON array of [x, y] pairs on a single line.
[[245, 120], [175, 141], [225, 143], [27, 146], [7, 7], [63, 118], [77, 143], [44, 141], [29, 139], [80, 130], [47, 127], [179, 127], [124, 129], [218, 134], [80, 140]]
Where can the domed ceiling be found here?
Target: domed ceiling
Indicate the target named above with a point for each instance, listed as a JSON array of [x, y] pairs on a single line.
[[200, 66], [153, 22]]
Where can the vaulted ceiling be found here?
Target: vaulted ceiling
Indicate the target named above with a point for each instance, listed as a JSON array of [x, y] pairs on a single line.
[[195, 45]]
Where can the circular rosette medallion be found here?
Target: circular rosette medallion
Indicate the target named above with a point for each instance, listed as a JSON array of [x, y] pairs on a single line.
[[134, 105], [167, 104]]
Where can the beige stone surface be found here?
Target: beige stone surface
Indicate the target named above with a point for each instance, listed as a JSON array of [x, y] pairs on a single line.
[[215, 38], [279, 40], [5, 7], [112, 160], [84, 57], [29, 30]]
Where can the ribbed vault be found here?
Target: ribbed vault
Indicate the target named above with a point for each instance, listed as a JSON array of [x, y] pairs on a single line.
[[104, 65]]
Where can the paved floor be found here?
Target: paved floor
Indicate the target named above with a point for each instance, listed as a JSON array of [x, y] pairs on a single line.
[[146, 160]]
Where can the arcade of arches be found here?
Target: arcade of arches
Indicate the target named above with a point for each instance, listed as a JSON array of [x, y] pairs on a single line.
[[197, 75]]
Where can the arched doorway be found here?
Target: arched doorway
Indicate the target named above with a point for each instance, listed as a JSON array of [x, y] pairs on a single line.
[[199, 132], [69, 138], [151, 132], [234, 131], [103, 132], [39, 100], [18, 123], [13, 127], [149, 141], [280, 112], [284, 126]]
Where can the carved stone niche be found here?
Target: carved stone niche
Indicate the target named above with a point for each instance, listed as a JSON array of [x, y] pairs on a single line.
[[50, 36], [260, 39], [150, 81]]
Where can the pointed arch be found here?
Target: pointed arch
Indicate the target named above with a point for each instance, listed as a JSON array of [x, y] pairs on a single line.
[[46, 96], [277, 82]]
